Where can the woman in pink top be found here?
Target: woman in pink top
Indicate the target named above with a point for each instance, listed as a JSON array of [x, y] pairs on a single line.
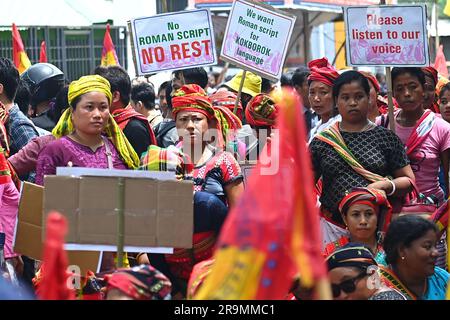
[[82, 129], [9, 206], [426, 136]]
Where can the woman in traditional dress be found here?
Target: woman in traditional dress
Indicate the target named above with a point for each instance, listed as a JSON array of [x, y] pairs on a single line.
[[410, 246], [366, 214], [431, 81], [261, 114], [426, 136], [355, 152], [89, 136], [352, 271], [138, 283], [320, 83], [215, 173]]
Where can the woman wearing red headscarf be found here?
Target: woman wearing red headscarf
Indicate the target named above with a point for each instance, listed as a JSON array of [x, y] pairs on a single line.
[[321, 82], [377, 104], [261, 114], [431, 81], [216, 175], [224, 102], [366, 213]]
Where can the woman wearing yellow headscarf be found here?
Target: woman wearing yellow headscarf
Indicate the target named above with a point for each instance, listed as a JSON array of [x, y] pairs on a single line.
[[84, 129]]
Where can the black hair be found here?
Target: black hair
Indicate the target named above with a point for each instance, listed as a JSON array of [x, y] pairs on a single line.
[[145, 93], [75, 101], [61, 103], [118, 79], [169, 96], [444, 89], [300, 76], [9, 78], [163, 86], [415, 72], [378, 75], [347, 78], [266, 85], [193, 76], [402, 232], [286, 80], [23, 97]]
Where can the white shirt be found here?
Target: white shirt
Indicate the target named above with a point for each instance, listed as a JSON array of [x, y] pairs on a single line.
[[322, 126]]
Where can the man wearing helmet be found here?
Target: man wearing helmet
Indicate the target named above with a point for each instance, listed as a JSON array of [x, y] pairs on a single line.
[[45, 81], [20, 129]]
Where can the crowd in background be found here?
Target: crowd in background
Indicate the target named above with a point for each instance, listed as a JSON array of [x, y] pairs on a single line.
[[201, 127]]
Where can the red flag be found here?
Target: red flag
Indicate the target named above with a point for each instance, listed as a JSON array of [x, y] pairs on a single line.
[[20, 57], [440, 64], [54, 282], [109, 56], [274, 232], [43, 53]]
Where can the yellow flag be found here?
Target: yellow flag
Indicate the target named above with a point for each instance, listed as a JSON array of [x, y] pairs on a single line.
[[447, 8]]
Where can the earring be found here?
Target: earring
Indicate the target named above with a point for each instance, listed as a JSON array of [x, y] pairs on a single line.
[[403, 258]]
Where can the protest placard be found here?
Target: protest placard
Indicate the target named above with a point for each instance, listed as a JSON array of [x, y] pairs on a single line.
[[257, 38], [386, 35], [173, 41]]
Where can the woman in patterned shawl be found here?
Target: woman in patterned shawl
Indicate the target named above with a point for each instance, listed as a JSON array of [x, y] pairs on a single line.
[[216, 176], [410, 246], [355, 152]]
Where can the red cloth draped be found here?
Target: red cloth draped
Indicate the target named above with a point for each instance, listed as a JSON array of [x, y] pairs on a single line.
[[124, 115], [322, 71], [261, 248], [432, 72], [372, 79], [5, 173], [43, 53], [440, 64], [140, 283], [227, 99], [54, 282], [192, 97]]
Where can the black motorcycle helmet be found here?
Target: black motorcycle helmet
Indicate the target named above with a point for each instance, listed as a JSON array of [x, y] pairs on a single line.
[[45, 81]]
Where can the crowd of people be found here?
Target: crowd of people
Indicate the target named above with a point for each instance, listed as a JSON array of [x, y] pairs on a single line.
[[203, 128]]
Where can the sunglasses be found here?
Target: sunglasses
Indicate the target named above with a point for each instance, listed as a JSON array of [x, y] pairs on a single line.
[[348, 286]]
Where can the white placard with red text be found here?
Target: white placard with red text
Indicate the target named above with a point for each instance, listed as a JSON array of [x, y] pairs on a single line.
[[386, 35], [173, 41]]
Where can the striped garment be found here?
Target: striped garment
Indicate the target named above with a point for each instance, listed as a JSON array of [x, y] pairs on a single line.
[[333, 137]]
